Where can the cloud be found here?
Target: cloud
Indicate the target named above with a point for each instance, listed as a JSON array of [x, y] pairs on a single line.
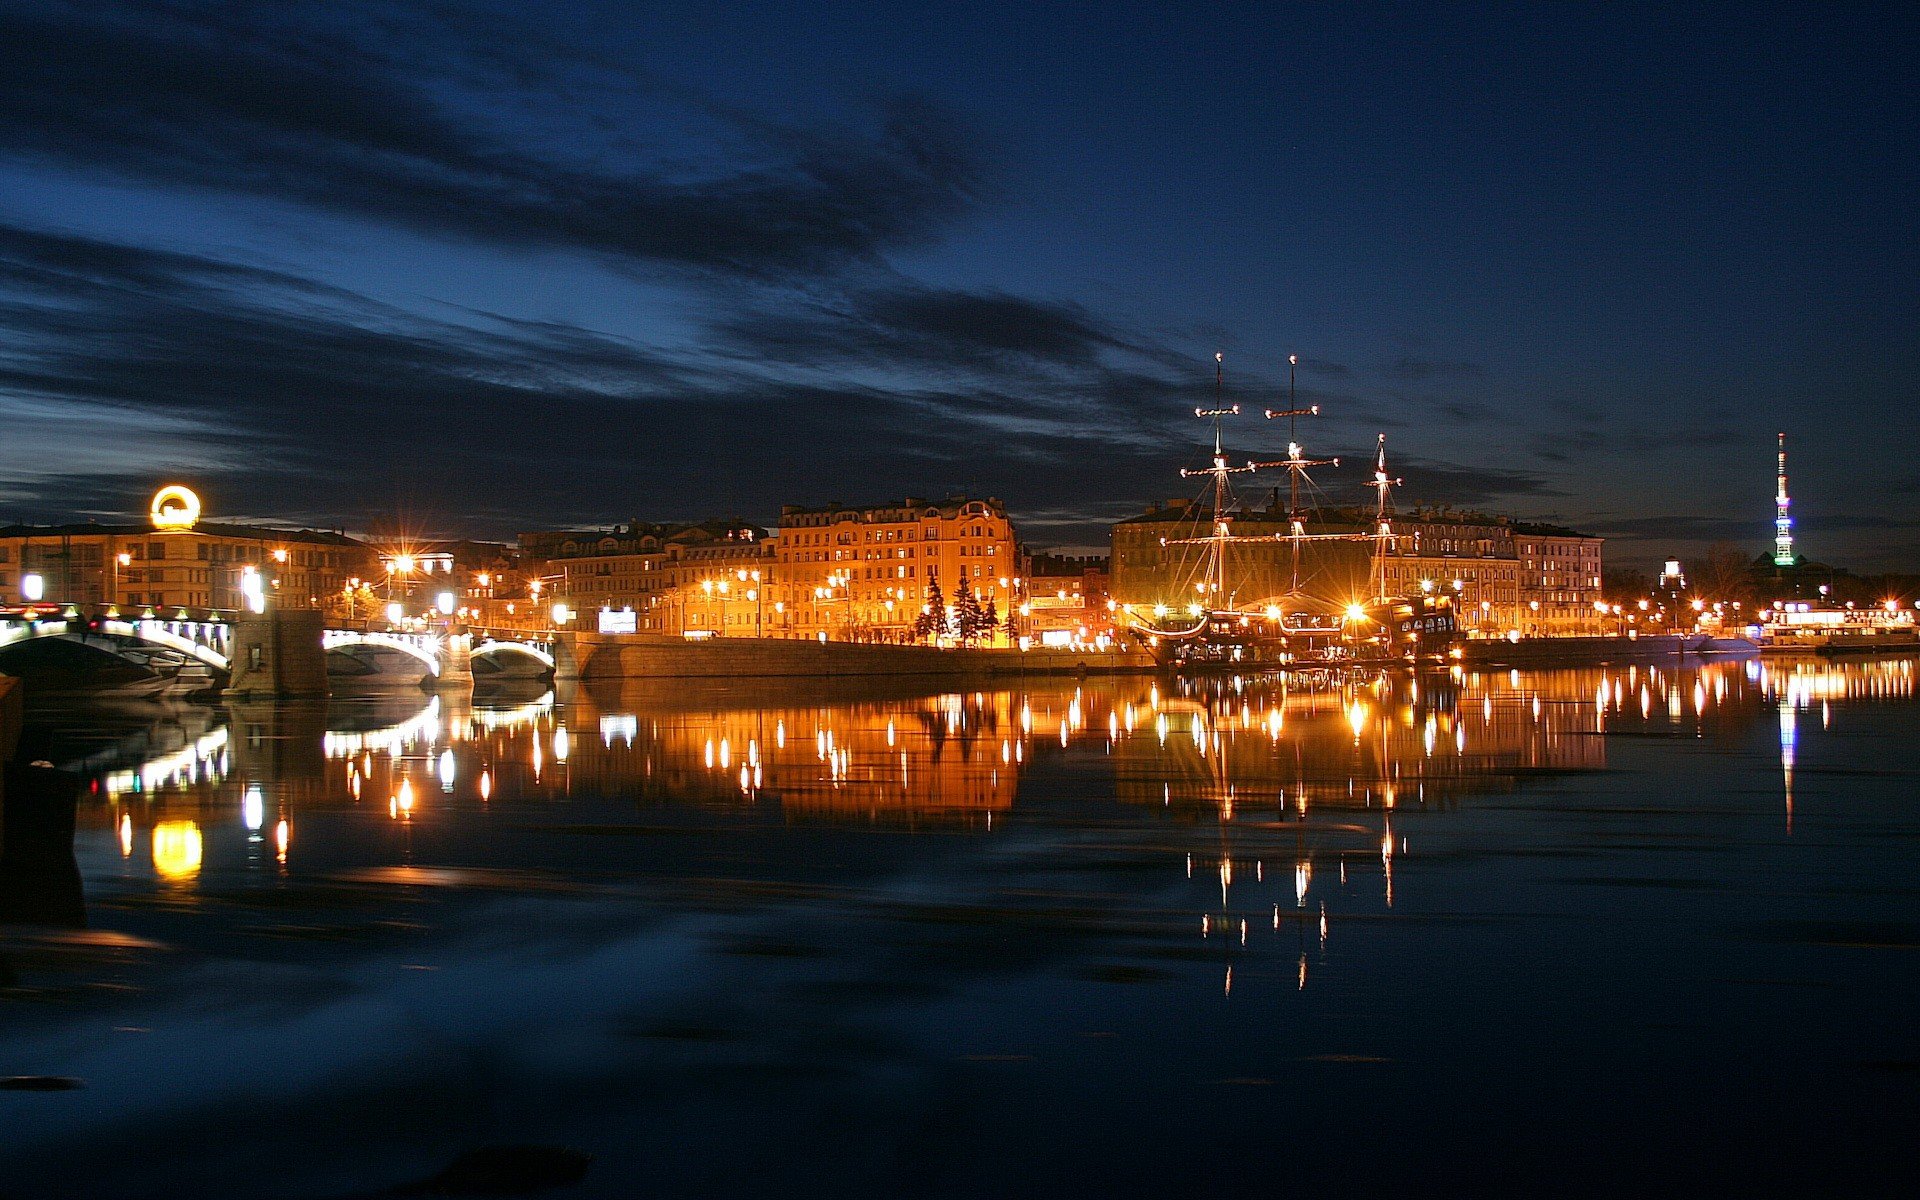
[[1421, 370], [1326, 367], [1683, 529], [300, 105], [287, 397], [1435, 481], [907, 326]]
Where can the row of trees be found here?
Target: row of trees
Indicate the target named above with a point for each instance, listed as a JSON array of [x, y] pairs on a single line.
[[966, 618], [1725, 573]]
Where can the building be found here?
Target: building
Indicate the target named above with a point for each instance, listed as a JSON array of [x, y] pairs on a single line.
[[1066, 601], [1543, 582], [1559, 580], [1153, 563], [478, 581], [176, 560], [863, 573], [701, 579]]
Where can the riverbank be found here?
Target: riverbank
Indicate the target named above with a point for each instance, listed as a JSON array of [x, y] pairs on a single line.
[[1585, 651], [595, 657]]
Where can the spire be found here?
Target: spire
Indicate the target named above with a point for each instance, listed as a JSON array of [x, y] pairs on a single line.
[[1782, 523]]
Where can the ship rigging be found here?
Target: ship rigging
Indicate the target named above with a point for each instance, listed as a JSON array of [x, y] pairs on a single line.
[[1292, 628]]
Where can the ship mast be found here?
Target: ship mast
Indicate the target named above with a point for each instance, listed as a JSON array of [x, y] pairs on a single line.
[[1383, 485], [1222, 491], [1296, 467], [1223, 497]]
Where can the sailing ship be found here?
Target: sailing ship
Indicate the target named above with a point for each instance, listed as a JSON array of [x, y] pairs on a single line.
[[1295, 630]]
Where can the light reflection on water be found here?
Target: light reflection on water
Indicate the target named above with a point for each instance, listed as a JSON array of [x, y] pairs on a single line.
[[980, 875], [1233, 747]]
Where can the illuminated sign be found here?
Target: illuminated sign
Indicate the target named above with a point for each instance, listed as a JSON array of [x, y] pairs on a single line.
[[624, 621], [174, 507]]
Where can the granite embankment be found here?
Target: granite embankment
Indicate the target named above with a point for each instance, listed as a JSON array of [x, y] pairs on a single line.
[[1574, 651], [631, 656]]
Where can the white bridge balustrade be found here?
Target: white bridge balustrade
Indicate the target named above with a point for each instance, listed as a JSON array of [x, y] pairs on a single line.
[[429, 648], [210, 637]]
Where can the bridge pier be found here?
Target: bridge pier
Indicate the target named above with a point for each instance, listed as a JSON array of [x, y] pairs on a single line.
[[566, 658], [278, 653], [456, 666]]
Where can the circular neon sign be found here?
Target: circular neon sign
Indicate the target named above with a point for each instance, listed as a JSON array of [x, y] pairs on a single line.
[[174, 507]]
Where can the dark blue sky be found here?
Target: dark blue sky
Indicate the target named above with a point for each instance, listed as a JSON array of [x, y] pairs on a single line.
[[490, 268]]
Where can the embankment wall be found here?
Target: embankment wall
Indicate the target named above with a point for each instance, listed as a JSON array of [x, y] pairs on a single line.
[[631, 656]]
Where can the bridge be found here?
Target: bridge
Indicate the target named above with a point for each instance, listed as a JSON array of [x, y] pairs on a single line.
[[279, 652]]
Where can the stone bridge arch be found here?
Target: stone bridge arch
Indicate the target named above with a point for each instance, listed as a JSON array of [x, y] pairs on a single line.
[[426, 648]]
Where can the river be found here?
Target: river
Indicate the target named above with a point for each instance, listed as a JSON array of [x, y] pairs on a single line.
[[1653, 928]]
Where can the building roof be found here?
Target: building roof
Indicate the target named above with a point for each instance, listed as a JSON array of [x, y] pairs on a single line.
[[633, 537], [949, 507], [1542, 529], [258, 533]]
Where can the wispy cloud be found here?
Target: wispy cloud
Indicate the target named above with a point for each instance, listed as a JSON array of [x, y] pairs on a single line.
[[305, 106], [306, 399]]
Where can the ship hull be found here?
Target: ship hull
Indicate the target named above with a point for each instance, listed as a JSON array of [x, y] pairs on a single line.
[[1389, 633]]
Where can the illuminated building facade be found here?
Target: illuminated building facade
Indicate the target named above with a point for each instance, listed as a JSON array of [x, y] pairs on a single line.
[[862, 573], [482, 579], [704, 579], [1147, 568], [177, 560], [1066, 601], [1543, 582], [1559, 580]]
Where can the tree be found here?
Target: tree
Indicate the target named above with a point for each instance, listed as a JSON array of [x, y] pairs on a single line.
[[1625, 585], [933, 614], [967, 616], [1724, 575], [990, 619]]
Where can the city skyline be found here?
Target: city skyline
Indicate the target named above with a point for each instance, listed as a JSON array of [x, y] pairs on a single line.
[[354, 264]]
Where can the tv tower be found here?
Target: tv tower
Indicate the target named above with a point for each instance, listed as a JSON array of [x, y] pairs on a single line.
[[1782, 523]]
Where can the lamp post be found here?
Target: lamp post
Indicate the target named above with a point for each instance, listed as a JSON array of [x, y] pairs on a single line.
[[120, 560]]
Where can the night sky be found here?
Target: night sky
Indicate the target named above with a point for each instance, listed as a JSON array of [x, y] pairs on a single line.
[[481, 269]]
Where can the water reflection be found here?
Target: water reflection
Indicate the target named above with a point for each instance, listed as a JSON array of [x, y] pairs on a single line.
[[1228, 750], [1118, 889]]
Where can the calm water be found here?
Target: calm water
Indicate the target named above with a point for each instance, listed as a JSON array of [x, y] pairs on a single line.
[[1580, 930]]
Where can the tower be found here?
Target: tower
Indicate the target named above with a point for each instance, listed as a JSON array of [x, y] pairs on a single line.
[[1782, 523]]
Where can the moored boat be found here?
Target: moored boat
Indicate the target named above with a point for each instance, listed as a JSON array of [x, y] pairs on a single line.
[[1294, 630]]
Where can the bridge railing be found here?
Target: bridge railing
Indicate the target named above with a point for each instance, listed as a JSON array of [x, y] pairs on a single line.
[[117, 612]]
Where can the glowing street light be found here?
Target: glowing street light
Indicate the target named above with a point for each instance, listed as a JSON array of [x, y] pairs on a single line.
[[253, 588], [33, 588]]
